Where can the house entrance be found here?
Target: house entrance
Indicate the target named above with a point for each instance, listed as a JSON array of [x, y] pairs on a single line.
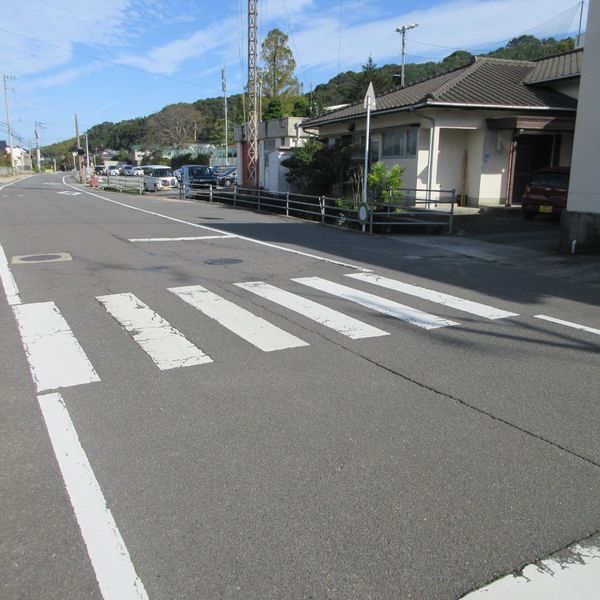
[[533, 152]]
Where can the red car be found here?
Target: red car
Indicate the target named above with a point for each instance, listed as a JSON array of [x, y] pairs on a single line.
[[546, 193]]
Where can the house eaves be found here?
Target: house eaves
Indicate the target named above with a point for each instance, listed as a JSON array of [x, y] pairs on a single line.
[[556, 68], [484, 84]]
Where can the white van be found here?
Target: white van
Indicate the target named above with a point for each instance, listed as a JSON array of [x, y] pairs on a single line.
[[158, 177]]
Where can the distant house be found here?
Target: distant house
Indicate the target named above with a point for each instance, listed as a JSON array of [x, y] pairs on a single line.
[[276, 139], [21, 158], [481, 129]]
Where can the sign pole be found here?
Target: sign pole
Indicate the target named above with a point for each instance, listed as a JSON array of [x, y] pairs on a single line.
[[369, 104]]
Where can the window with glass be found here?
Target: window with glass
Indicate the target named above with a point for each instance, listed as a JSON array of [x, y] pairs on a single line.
[[400, 142]]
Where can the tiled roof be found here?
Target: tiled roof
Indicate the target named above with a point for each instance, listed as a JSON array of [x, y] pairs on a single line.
[[561, 66], [491, 82]]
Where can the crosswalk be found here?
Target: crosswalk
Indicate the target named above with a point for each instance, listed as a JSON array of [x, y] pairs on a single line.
[[58, 360]]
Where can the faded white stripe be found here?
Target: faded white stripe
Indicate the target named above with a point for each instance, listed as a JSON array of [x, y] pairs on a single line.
[[348, 326], [183, 239], [108, 554], [382, 305], [56, 359], [8, 281], [248, 326], [569, 324], [475, 308], [166, 346]]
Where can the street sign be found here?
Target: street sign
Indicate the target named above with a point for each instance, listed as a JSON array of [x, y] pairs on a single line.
[[369, 102]]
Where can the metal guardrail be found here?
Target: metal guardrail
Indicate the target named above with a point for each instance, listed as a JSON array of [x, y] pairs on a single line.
[[396, 209], [121, 183]]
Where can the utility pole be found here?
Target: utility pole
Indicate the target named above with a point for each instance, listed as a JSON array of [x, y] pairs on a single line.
[[87, 151], [403, 31], [38, 155], [252, 127], [10, 140], [78, 148], [224, 85]]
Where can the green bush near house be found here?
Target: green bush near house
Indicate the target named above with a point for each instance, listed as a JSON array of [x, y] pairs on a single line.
[[385, 184]]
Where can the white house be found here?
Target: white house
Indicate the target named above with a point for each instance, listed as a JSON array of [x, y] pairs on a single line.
[[481, 129], [276, 139]]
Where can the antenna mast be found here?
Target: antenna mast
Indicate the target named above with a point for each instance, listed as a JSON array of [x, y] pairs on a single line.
[[252, 128]]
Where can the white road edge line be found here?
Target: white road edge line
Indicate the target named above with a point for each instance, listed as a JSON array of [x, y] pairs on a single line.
[[468, 306], [8, 281], [15, 181], [108, 554], [183, 239], [56, 360], [573, 574], [241, 237], [167, 347], [568, 324]]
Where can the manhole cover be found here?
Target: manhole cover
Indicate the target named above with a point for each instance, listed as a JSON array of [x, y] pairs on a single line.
[[39, 258], [223, 261]]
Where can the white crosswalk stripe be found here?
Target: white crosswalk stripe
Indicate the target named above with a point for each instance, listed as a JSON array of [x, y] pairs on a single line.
[[348, 326], [166, 346], [475, 308], [377, 303], [56, 360], [238, 320]]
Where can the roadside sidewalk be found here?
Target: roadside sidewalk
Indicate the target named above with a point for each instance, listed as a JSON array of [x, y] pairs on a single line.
[[501, 235]]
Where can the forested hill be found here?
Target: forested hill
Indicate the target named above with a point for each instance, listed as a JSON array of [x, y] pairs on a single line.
[[349, 87], [206, 116]]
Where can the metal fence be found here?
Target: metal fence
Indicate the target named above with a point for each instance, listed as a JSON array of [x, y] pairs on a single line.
[[392, 211], [121, 183]]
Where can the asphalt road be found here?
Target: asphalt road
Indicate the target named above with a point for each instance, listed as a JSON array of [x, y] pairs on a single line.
[[419, 463]]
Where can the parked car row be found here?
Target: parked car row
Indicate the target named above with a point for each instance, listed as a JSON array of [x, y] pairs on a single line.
[[204, 175], [127, 170], [161, 177]]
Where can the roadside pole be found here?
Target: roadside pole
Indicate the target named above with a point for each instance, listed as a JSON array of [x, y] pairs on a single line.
[[369, 104]]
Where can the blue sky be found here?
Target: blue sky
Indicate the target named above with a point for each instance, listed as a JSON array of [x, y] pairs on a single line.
[[129, 58]]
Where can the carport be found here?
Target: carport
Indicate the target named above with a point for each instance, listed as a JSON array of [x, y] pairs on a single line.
[[536, 142]]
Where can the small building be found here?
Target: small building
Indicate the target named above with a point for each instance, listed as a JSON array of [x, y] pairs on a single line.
[[21, 158], [481, 129], [276, 139]]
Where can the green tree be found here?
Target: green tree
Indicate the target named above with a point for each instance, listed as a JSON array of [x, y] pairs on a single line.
[[273, 110], [315, 168], [382, 81], [385, 184], [216, 132], [277, 74]]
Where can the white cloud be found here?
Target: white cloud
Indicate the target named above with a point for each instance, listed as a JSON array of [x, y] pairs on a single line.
[[167, 59], [41, 35]]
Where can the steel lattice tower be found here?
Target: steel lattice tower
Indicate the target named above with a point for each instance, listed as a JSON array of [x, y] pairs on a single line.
[[252, 127]]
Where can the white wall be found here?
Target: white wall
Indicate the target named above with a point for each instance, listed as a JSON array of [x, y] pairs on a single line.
[[452, 148], [584, 195], [474, 158], [494, 169]]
